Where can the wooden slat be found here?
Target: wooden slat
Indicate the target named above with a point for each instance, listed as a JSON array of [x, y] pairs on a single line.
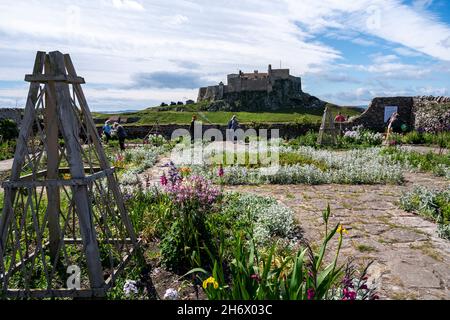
[[57, 182], [45, 78]]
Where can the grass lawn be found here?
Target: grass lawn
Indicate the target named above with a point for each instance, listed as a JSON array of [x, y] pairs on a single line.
[[171, 116]]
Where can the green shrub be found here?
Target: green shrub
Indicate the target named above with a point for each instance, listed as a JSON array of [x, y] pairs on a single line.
[[7, 149], [8, 130], [413, 137], [309, 139], [431, 204], [293, 158], [429, 162]]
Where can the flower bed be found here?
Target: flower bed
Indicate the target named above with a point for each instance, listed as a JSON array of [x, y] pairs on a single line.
[[359, 166], [431, 204], [238, 246]]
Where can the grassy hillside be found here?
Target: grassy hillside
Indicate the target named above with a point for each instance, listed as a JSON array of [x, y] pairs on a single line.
[[183, 115]]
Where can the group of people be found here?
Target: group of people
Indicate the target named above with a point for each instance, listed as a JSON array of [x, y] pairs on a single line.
[[115, 130]]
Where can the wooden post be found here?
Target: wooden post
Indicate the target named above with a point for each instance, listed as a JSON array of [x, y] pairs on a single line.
[[104, 163], [327, 127], [51, 132], [70, 130]]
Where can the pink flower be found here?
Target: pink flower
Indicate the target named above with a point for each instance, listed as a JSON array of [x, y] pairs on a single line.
[[221, 172], [349, 295], [255, 277], [164, 180], [310, 294]]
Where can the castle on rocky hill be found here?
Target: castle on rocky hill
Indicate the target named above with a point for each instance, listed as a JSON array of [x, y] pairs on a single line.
[[275, 89], [256, 81]]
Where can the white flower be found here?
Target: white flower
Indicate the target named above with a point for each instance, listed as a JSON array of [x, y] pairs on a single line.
[[171, 294], [130, 288]]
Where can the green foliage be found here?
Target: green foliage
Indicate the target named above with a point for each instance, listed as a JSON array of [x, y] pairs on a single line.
[[309, 139], [292, 158], [441, 139], [431, 204], [8, 130], [429, 162], [183, 115], [7, 149], [257, 274]]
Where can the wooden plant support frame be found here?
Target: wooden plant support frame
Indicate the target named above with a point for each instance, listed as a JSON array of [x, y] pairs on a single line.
[[34, 242], [327, 129]]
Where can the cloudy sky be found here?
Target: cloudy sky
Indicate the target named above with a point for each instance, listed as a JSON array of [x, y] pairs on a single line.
[[135, 53]]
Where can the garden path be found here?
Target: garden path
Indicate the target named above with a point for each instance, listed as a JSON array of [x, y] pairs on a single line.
[[410, 260], [6, 165], [425, 149], [154, 173]]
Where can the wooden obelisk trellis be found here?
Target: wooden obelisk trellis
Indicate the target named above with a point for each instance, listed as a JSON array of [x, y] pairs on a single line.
[[327, 131], [63, 209]]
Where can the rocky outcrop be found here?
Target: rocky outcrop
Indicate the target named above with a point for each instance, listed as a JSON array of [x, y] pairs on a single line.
[[282, 96]]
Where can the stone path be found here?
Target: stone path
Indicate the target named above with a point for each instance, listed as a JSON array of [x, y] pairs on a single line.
[[154, 173], [425, 149], [411, 262], [6, 165]]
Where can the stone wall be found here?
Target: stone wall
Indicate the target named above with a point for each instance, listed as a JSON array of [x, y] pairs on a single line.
[[432, 114], [373, 117], [425, 113], [15, 114], [286, 130]]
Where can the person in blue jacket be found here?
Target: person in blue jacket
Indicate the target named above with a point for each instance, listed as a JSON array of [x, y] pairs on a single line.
[[107, 131]]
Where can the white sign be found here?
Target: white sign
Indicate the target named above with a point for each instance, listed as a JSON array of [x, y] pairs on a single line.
[[389, 111]]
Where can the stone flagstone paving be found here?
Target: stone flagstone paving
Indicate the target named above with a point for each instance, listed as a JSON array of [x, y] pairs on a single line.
[[410, 260]]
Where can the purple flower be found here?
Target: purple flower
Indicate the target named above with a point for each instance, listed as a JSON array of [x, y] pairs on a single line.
[[221, 172], [310, 294], [348, 294], [164, 180]]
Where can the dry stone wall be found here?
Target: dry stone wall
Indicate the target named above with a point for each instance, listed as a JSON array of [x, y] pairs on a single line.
[[425, 113], [14, 114]]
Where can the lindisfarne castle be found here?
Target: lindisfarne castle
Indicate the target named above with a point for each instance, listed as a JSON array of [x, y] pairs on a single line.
[[255, 81], [275, 89]]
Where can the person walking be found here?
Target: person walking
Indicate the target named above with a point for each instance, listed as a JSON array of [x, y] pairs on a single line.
[[107, 131], [121, 135], [233, 125], [192, 128], [340, 118]]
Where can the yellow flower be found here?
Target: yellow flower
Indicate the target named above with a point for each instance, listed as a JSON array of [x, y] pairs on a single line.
[[67, 176], [341, 230], [209, 281], [185, 171]]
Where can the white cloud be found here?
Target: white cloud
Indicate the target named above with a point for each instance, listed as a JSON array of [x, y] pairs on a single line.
[[127, 5], [112, 40], [407, 52], [176, 20], [391, 20]]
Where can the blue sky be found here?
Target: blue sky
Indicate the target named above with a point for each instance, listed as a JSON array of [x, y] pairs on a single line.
[[135, 54]]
